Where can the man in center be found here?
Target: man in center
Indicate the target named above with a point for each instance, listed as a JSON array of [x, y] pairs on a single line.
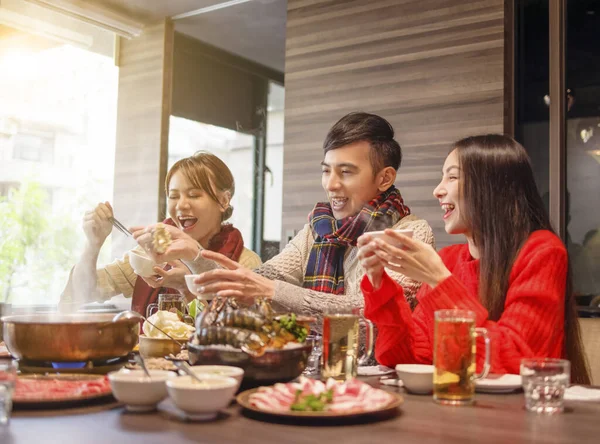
[[318, 270]]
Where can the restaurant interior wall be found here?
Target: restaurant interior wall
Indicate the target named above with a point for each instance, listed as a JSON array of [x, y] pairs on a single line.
[[433, 68]]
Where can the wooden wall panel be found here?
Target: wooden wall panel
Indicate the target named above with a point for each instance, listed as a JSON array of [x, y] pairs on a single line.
[[143, 110], [433, 68]]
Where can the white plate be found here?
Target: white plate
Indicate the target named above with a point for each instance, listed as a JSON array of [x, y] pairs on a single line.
[[498, 384], [374, 370]]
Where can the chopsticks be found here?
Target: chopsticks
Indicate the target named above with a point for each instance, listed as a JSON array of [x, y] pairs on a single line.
[[119, 226]]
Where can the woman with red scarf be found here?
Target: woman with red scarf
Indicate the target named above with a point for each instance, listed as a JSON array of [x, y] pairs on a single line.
[[512, 272], [199, 190]]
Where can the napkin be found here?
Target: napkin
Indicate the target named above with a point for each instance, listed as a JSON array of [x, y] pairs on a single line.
[[579, 393]]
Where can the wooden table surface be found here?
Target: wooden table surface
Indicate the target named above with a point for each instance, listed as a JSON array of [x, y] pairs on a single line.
[[492, 419]]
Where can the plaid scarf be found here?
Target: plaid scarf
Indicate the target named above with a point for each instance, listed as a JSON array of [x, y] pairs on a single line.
[[325, 268]]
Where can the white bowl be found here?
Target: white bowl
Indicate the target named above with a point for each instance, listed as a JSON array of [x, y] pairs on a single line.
[[219, 370], [195, 288], [136, 391], [142, 264], [202, 401], [392, 241], [417, 378]]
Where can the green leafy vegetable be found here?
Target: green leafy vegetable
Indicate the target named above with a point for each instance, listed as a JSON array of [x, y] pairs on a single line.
[[290, 324], [311, 403]]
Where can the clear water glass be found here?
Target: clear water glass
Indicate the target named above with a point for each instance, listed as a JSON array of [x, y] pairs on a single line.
[[8, 376], [544, 383], [313, 365]]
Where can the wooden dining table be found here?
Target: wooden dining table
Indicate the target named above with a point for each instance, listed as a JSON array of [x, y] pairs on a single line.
[[493, 418]]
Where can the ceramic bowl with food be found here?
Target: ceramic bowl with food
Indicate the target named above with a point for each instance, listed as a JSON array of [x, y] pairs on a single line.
[[142, 264], [388, 239], [220, 370], [202, 400], [138, 392], [417, 378], [159, 347]]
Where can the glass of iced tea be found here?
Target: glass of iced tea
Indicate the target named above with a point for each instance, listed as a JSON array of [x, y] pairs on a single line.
[[341, 343], [454, 351], [167, 302]]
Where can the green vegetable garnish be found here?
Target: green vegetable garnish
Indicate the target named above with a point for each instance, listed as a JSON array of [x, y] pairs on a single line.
[[289, 323], [311, 403]]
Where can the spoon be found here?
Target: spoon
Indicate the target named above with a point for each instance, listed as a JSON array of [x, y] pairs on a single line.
[[138, 358], [130, 314], [182, 365]]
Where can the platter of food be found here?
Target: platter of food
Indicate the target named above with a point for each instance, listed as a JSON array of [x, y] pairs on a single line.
[[53, 391], [269, 347], [310, 398]]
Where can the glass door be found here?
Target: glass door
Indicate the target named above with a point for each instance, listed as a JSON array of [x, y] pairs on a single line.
[[582, 129]]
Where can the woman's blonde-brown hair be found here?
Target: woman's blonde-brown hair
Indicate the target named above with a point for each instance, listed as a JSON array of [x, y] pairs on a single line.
[[208, 173]]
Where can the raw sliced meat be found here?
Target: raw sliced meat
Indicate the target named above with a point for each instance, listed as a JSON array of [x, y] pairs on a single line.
[[56, 389], [350, 396]]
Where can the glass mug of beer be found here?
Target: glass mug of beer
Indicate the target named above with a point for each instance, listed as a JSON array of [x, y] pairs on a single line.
[[340, 343], [167, 302], [454, 351]]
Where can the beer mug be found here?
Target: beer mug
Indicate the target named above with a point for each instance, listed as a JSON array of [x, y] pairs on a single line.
[[340, 343], [454, 351], [167, 302]]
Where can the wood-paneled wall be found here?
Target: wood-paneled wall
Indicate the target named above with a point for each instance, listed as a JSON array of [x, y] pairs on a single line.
[[143, 110], [433, 68]]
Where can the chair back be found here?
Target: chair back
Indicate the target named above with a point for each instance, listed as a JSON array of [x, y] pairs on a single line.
[[590, 335]]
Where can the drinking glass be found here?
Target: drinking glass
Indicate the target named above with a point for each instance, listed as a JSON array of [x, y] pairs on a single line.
[[544, 383], [166, 302], [454, 356], [8, 376], [340, 343], [313, 364]]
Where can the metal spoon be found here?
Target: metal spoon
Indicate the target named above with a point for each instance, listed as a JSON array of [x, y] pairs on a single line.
[[129, 314], [182, 365], [138, 358]]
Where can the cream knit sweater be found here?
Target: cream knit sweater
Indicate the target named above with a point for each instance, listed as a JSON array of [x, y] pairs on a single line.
[[289, 266], [118, 277]]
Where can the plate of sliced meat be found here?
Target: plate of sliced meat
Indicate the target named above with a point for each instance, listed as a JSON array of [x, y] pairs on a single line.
[[310, 398], [48, 391]]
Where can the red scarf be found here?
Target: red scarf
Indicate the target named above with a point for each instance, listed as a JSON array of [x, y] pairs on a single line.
[[228, 242]]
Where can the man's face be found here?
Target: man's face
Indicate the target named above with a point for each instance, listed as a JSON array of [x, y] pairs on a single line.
[[348, 179]]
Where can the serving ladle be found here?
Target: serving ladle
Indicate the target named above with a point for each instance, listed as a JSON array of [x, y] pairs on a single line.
[[130, 314]]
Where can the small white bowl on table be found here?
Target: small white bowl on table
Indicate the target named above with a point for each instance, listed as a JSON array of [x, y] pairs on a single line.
[[138, 392], [417, 378], [202, 401], [219, 370]]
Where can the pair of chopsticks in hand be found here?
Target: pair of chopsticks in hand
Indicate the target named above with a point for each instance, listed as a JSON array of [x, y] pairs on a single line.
[[119, 226]]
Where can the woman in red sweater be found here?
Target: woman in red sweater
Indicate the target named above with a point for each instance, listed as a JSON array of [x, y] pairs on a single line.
[[513, 272]]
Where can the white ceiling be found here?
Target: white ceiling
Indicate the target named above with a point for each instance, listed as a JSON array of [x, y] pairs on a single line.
[[254, 30]]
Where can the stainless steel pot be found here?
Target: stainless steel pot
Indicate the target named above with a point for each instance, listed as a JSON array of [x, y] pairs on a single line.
[[272, 366], [69, 337]]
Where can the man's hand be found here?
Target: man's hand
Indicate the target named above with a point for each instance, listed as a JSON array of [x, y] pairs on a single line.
[[234, 281]]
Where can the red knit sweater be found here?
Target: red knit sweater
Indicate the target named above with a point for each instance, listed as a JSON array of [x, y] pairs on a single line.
[[530, 326]]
